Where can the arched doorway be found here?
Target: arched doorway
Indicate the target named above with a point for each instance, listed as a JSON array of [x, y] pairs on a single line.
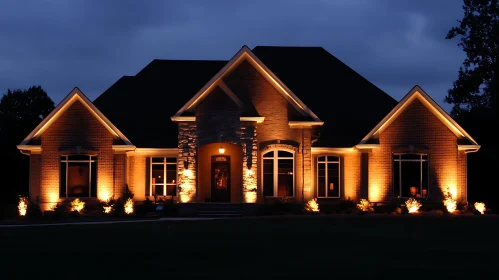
[[220, 173]]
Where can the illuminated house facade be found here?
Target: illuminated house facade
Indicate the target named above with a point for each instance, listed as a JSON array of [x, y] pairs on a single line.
[[272, 122]]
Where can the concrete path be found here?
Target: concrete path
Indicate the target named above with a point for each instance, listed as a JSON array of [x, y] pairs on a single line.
[[110, 222]]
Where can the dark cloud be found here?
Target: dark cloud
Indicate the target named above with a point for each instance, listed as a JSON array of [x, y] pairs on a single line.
[[90, 44]]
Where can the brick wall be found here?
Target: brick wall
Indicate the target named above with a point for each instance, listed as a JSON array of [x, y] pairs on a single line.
[[76, 129], [119, 176], [137, 176], [417, 126], [351, 175], [34, 177], [247, 82]]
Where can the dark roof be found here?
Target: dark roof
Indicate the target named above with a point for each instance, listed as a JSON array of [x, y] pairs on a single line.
[[141, 105], [349, 105]]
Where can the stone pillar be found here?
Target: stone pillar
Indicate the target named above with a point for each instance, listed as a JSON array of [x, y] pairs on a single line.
[[250, 161], [187, 138]]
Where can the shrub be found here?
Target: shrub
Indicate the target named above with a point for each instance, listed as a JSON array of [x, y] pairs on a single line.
[[118, 207], [60, 210], [129, 206], [412, 205], [365, 206], [312, 206], [34, 211], [385, 208], [77, 205], [170, 209], [346, 206]]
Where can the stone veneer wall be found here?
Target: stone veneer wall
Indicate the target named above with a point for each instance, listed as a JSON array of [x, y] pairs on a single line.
[[250, 161], [187, 144], [187, 141]]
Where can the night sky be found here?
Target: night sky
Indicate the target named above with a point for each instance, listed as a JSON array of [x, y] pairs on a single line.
[[92, 43]]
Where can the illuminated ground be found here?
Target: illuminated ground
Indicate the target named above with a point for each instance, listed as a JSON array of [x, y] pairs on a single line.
[[351, 246]]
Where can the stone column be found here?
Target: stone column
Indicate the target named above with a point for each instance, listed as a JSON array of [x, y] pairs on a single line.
[[187, 138], [250, 159]]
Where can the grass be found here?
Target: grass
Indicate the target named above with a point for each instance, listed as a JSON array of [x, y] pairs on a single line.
[[372, 247]]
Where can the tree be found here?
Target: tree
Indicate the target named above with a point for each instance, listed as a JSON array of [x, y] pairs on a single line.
[[20, 112], [474, 94], [477, 83]]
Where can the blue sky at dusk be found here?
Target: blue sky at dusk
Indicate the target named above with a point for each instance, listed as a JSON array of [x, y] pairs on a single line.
[[91, 44]]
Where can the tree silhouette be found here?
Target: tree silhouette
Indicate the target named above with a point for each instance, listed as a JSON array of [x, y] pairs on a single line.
[[474, 94], [477, 83], [20, 112]]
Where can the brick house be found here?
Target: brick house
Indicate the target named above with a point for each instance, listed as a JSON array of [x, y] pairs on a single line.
[[271, 122]]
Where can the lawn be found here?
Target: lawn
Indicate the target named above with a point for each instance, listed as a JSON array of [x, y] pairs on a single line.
[[372, 247]]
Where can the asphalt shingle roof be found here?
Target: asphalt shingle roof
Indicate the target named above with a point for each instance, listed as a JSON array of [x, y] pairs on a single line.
[[350, 106]]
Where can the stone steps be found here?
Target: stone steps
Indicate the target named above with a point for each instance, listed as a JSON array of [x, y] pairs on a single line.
[[219, 210]]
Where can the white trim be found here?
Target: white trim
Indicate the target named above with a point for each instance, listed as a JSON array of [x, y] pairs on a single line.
[[326, 163], [468, 148], [73, 96], [246, 53], [183, 118], [230, 93], [253, 119], [123, 148], [275, 159], [325, 150], [154, 152], [367, 146], [303, 123], [417, 93], [33, 149], [193, 119]]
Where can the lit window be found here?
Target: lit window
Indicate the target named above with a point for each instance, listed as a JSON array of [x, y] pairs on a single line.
[[410, 175], [78, 176], [163, 176], [278, 174], [328, 176]]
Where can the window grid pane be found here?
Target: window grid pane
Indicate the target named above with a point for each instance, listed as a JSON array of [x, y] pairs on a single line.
[[268, 177], [410, 175], [78, 176], [163, 176], [333, 179], [328, 176]]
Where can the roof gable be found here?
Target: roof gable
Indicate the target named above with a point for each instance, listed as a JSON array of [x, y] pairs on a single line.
[[418, 93], [348, 104], [74, 96], [246, 54]]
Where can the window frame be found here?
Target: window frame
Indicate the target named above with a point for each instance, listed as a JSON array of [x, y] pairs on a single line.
[[275, 158], [420, 160], [326, 162], [165, 183], [92, 158]]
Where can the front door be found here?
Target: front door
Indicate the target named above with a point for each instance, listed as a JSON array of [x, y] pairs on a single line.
[[220, 179]]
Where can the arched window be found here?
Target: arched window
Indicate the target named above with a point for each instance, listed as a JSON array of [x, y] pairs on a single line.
[[328, 176], [278, 173]]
